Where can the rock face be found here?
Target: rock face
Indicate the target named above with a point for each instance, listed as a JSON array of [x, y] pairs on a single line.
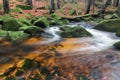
[[77, 31], [109, 25]]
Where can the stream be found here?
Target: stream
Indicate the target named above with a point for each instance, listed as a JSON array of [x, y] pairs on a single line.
[[99, 41], [97, 49]]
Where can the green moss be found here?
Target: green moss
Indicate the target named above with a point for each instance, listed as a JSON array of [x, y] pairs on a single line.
[[1, 5], [77, 31], [72, 12], [29, 64], [24, 21], [3, 33], [117, 45], [118, 33], [33, 30], [41, 22], [17, 35], [24, 7], [109, 25], [55, 19], [11, 24], [19, 10]]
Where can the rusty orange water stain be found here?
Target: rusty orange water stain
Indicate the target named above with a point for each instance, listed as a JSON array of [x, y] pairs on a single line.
[[32, 40], [68, 45]]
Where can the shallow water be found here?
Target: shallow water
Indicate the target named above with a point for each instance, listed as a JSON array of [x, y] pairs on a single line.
[[93, 50]]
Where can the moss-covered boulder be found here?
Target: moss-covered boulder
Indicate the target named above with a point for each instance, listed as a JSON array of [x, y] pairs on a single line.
[[32, 30], [117, 45], [78, 31], [17, 35], [109, 25], [41, 22], [118, 33], [11, 24], [3, 33]]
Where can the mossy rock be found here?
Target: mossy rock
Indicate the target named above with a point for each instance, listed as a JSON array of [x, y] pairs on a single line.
[[11, 24], [29, 64], [17, 35], [32, 30], [117, 45], [41, 22], [3, 33], [77, 31], [109, 25], [24, 7], [118, 33]]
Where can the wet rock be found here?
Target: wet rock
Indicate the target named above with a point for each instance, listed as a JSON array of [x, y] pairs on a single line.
[[77, 31], [117, 45]]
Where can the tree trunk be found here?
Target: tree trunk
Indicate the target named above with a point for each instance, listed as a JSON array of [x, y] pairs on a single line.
[[107, 3], [52, 6], [29, 2], [116, 3], [6, 6], [58, 4], [88, 6]]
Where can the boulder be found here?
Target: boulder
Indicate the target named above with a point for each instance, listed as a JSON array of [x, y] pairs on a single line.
[[77, 31], [32, 30], [112, 25], [117, 45], [17, 35], [118, 33], [11, 24]]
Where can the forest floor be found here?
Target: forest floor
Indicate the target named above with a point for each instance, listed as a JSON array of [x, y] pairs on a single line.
[[40, 8]]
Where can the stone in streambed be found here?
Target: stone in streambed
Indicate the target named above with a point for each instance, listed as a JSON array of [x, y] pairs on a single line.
[[77, 31], [32, 30], [117, 45], [118, 33]]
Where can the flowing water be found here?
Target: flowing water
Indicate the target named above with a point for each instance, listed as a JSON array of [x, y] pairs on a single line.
[[99, 41], [99, 45]]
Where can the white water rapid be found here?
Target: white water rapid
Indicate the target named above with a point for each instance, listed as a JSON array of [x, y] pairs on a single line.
[[99, 41]]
